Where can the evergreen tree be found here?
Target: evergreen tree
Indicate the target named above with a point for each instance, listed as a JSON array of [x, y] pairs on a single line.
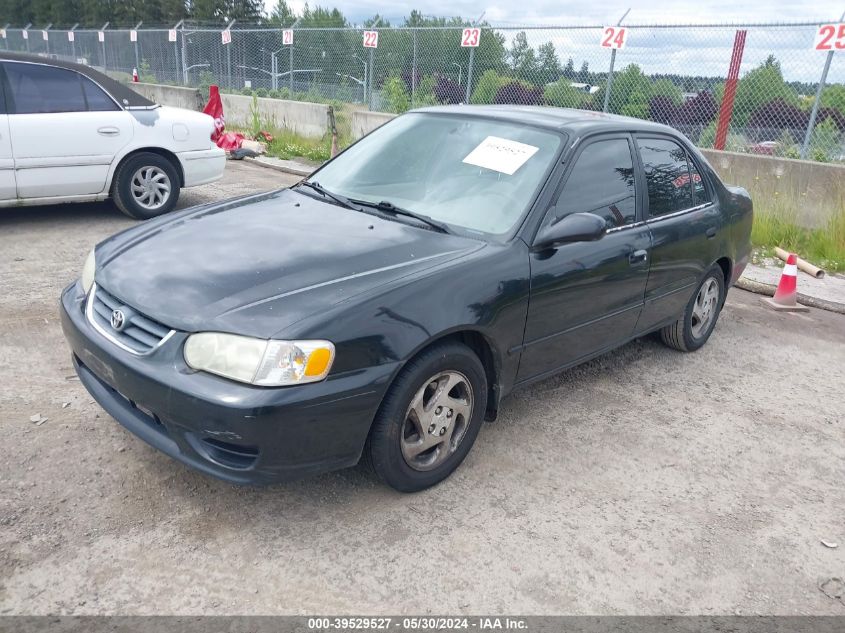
[[550, 69]]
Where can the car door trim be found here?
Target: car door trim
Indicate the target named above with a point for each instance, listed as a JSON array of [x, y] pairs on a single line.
[[676, 214]]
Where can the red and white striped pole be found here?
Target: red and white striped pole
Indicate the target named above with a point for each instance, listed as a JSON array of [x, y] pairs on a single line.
[[726, 110]]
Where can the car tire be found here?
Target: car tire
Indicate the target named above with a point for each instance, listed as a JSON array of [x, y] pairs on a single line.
[[151, 173], [693, 329], [446, 378]]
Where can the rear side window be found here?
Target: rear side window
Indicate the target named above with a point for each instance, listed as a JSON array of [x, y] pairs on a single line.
[[601, 182], [698, 188], [39, 89], [96, 99], [668, 176]]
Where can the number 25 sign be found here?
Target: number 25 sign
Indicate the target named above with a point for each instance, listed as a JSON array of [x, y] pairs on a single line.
[[614, 37], [830, 37], [370, 39], [470, 37]]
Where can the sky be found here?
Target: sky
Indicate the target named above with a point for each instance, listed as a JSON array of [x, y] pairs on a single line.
[[688, 51], [580, 12]]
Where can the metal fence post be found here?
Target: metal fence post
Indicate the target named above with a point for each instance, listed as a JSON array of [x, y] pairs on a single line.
[[290, 64], [137, 52], [26, 28], [472, 59], [103, 29], [229, 58], [73, 42], [414, 71], [176, 51], [46, 29], [184, 56], [815, 111], [609, 83]]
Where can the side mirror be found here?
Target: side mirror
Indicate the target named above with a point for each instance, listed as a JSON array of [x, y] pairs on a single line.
[[575, 227]]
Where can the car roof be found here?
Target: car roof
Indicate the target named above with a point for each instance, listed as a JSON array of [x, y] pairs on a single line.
[[576, 123], [125, 96]]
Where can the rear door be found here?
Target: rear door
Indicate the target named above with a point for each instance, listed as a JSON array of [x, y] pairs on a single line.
[[65, 130], [586, 297], [7, 163], [684, 222]]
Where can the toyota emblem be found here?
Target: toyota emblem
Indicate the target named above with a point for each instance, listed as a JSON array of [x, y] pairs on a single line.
[[118, 319]]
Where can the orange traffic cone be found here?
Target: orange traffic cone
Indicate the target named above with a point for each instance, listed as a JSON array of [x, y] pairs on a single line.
[[786, 295], [135, 75]]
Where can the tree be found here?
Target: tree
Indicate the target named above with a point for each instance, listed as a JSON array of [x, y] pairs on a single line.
[[487, 87], [760, 86], [549, 64], [833, 96], [629, 94], [666, 88], [519, 93], [560, 94], [569, 69], [523, 60], [584, 73], [282, 14]]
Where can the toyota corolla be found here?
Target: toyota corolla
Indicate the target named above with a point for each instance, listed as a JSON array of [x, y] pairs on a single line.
[[381, 309]]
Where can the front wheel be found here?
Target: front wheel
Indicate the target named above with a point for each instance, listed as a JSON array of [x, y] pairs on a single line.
[[693, 329], [146, 185], [429, 418]]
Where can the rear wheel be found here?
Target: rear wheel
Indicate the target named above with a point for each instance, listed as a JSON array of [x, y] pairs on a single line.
[[146, 185], [429, 418], [693, 329]]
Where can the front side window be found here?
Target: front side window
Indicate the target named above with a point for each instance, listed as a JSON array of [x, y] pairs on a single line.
[[601, 182], [464, 171], [38, 89], [668, 176]]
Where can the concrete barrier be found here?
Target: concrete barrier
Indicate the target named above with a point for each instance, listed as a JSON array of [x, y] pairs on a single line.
[[364, 122], [301, 117], [810, 192], [176, 96]]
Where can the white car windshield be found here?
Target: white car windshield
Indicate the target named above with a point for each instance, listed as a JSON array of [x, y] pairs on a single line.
[[463, 171]]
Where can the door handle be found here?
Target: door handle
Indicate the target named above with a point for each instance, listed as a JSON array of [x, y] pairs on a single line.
[[108, 131], [710, 233], [637, 257]]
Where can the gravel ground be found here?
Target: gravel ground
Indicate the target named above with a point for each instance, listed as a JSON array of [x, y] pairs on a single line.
[[645, 482]]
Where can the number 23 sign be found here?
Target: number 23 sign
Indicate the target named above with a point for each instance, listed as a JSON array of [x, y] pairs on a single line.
[[470, 37], [614, 37], [830, 37]]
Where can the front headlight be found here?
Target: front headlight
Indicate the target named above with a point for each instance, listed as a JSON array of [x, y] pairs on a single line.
[[87, 276], [257, 361]]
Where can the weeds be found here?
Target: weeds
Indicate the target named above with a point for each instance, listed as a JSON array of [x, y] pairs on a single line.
[[823, 247]]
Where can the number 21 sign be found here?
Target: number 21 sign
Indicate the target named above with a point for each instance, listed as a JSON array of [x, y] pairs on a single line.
[[830, 37], [614, 37]]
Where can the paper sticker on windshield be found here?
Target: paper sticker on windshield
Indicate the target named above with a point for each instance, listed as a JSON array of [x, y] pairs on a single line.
[[500, 154]]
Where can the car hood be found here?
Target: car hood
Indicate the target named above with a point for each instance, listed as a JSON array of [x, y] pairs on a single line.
[[258, 267]]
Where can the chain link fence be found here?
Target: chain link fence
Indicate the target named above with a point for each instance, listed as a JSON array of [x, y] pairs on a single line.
[[672, 74]]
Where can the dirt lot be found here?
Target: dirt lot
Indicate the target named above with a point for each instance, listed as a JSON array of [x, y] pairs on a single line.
[[646, 482]]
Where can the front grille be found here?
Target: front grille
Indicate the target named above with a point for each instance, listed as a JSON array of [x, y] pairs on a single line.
[[138, 334]]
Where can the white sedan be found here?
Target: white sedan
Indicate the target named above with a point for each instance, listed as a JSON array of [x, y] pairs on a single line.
[[71, 134]]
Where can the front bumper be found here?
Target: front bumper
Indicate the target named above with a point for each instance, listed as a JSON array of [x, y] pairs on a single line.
[[202, 166], [236, 432]]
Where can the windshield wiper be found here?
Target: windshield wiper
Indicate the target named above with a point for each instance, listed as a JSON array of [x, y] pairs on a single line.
[[316, 186], [389, 207]]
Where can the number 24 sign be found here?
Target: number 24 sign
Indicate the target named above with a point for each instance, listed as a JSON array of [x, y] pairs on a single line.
[[830, 37], [614, 37]]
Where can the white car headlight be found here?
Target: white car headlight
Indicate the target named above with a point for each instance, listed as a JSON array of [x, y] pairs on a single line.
[[87, 276], [258, 361]]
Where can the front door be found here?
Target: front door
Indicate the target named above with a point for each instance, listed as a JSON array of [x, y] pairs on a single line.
[[586, 296], [65, 130]]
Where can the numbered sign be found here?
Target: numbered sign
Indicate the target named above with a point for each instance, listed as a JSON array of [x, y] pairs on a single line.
[[226, 36], [614, 37], [25, 34], [71, 36], [470, 37], [830, 37], [171, 35], [370, 39], [45, 35], [133, 35], [3, 33], [287, 37], [101, 36]]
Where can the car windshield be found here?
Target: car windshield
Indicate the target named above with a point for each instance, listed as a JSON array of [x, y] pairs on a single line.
[[462, 171]]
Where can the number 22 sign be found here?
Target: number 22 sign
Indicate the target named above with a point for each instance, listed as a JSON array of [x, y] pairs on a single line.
[[830, 37], [370, 39], [614, 37], [470, 37]]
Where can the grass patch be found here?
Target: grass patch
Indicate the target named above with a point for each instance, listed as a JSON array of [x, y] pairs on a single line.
[[823, 247]]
